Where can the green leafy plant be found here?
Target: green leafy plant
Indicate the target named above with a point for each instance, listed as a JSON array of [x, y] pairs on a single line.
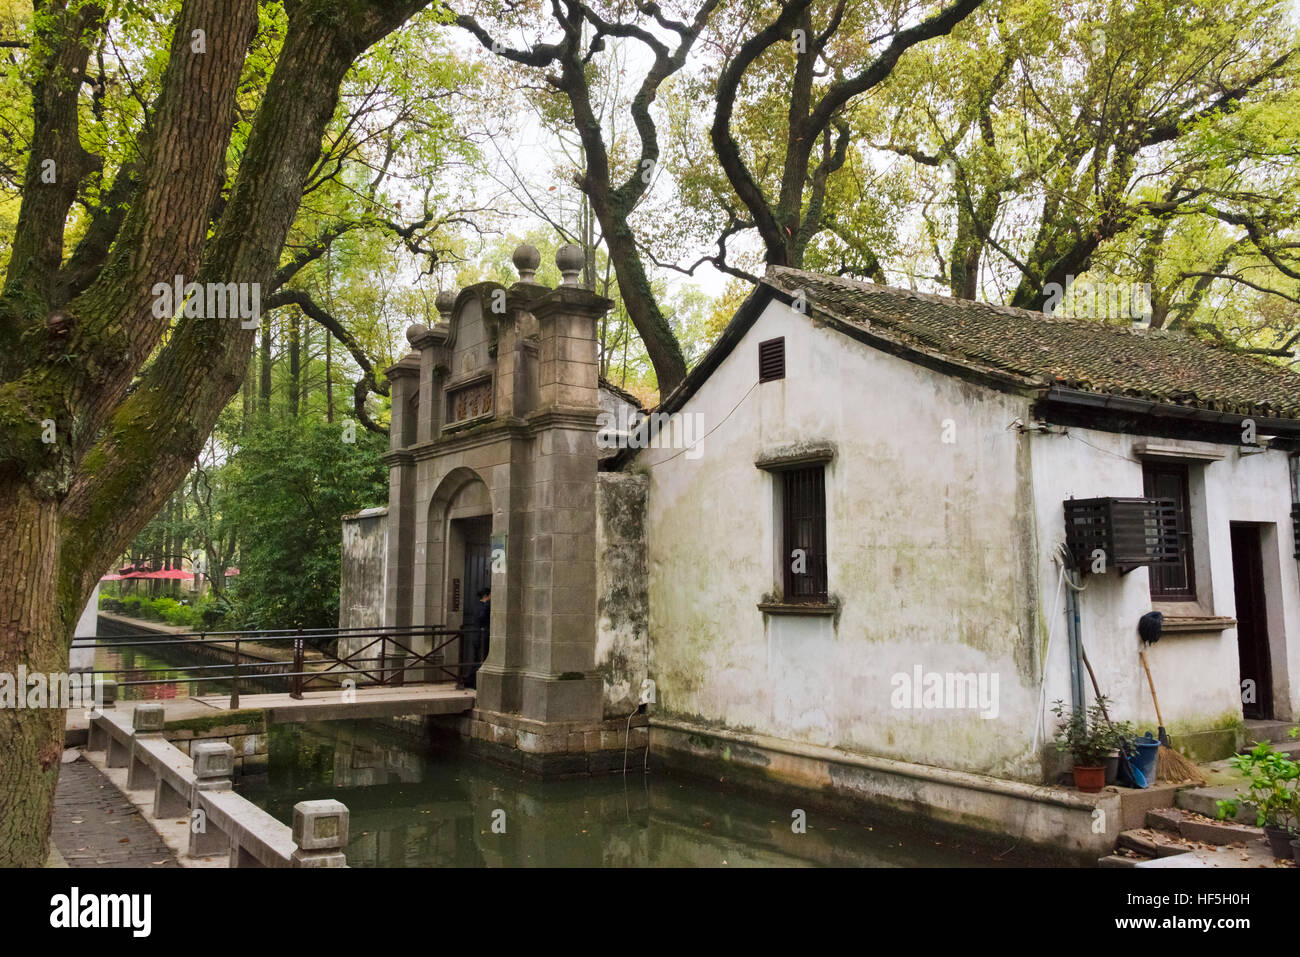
[[1273, 787], [1086, 733], [1120, 735]]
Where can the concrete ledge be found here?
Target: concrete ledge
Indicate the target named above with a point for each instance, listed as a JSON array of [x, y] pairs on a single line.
[[1080, 827], [256, 839], [218, 821]]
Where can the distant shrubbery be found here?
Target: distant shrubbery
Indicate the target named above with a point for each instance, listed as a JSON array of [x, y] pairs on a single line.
[[207, 615], [289, 487]]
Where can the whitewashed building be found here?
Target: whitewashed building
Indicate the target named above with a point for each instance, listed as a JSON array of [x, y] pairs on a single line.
[[834, 556], [916, 452]]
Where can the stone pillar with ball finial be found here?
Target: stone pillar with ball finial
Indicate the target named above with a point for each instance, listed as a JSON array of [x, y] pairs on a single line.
[[404, 388], [555, 628]]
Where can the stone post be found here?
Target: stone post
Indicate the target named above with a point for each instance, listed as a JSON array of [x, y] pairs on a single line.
[[320, 829], [214, 763], [96, 736], [147, 721], [558, 678], [405, 382]]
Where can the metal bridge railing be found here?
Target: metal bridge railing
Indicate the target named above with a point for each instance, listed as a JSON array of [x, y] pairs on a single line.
[[391, 656]]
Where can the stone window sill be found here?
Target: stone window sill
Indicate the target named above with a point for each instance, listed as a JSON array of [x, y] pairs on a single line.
[[798, 608], [1183, 624]]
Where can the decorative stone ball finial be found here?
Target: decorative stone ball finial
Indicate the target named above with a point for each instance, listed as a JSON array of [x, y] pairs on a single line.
[[526, 259], [570, 259], [444, 302], [414, 331]]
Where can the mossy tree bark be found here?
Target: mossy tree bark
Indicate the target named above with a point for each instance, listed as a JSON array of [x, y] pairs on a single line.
[[132, 396]]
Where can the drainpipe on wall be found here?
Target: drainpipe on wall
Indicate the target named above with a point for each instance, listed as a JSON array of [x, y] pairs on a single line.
[[1077, 699]]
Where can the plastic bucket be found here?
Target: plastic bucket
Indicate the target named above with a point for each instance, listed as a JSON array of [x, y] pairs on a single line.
[[1145, 759]]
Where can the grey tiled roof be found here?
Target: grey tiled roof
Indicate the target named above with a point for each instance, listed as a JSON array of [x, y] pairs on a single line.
[[1082, 354]]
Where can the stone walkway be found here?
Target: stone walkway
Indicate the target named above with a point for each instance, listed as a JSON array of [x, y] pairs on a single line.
[[95, 825]]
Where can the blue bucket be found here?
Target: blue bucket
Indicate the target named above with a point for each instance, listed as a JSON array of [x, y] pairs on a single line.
[[1145, 759]]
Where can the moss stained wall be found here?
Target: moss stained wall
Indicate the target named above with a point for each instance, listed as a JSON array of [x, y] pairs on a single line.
[[364, 568], [622, 589]]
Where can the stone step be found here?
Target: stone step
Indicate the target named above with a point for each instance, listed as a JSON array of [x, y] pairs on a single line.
[[1164, 819], [1177, 860], [1151, 843], [1195, 827], [1202, 801], [1277, 732], [1290, 748], [1218, 832]]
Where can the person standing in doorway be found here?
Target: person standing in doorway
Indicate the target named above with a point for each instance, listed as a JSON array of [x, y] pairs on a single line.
[[478, 639]]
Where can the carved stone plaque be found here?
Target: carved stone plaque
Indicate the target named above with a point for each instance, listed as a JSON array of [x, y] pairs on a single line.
[[469, 401]]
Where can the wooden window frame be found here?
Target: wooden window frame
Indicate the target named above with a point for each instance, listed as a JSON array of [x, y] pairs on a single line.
[[803, 502], [1187, 549]]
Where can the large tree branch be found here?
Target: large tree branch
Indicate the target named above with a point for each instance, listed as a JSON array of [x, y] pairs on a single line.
[[725, 146], [324, 318], [56, 162], [115, 324], [936, 25], [1172, 125], [156, 432], [92, 251]]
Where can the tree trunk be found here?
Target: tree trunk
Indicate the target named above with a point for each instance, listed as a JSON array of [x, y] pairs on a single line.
[[295, 370], [329, 380], [135, 393], [264, 368], [248, 397], [36, 630]]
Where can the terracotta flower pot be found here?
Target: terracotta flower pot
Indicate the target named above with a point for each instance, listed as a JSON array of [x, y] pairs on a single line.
[[1279, 840], [1088, 779]]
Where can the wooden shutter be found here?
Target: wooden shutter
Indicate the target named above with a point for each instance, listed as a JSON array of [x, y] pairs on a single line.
[[771, 360]]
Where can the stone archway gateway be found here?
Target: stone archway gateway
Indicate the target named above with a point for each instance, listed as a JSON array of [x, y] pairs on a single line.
[[501, 460], [456, 548]]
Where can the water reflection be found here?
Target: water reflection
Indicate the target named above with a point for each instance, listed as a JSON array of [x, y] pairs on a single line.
[[133, 663], [174, 671], [449, 809]]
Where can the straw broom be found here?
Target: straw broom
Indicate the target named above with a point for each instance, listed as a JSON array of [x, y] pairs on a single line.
[[1171, 767]]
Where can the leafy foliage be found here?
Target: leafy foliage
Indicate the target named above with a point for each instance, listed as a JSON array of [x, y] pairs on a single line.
[[291, 484], [1273, 787]]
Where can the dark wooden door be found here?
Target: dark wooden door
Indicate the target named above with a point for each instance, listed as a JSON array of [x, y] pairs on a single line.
[[1252, 620], [478, 562]]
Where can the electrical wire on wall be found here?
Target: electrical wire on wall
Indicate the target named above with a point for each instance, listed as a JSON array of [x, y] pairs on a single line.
[[698, 441]]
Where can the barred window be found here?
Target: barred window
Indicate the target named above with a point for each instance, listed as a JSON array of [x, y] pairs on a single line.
[[803, 511], [1173, 582]]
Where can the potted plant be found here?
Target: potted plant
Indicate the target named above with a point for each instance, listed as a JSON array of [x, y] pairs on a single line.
[[1089, 739], [1273, 787]]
